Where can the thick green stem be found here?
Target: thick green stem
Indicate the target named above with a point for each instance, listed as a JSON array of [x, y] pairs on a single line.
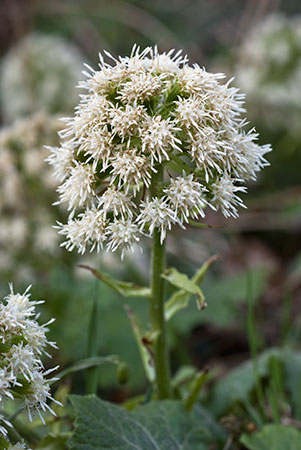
[[157, 315], [157, 318]]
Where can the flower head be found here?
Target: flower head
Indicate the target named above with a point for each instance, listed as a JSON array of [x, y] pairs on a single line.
[[23, 341], [154, 142]]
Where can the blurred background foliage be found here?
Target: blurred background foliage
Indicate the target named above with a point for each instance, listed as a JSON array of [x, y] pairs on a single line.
[[41, 44]]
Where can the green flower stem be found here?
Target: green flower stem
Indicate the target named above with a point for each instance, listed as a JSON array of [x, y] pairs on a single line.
[[157, 318], [157, 315]]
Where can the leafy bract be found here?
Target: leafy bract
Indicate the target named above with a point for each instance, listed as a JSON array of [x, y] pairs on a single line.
[[273, 437], [159, 425], [225, 297], [180, 280], [180, 299], [125, 288]]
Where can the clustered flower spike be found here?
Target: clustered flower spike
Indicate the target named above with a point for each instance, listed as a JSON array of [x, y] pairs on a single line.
[[269, 70], [23, 341], [153, 143]]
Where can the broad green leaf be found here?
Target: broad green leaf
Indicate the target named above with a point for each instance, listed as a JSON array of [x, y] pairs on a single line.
[[180, 299], [52, 442], [273, 437], [125, 288], [87, 363], [238, 384], [158, 425]]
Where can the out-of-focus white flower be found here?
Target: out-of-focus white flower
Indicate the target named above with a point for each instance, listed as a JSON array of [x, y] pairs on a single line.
[[27, 188], [46, 237], [13, 231], [269, 71], [39, 72], [162, 139]]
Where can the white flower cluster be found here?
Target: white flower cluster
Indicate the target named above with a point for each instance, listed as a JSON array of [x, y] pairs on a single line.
[[269, 69], [39, 72], [152, 144], [27, 184], [23, 341]]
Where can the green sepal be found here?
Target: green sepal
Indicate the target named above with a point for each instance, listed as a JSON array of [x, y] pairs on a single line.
[[125, 288], [188, 287]]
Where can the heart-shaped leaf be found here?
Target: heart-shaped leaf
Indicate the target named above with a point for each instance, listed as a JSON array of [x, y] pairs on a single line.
[[159, 425]]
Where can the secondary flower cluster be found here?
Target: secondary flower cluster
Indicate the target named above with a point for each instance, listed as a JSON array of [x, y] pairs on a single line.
[[39, 73], [23, 341], [27, 189], [269, 70], [152, 144]]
